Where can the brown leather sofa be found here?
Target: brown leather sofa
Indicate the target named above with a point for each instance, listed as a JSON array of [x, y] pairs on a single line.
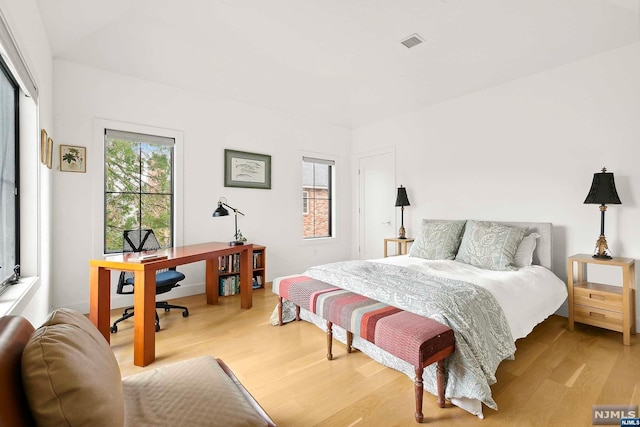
[[64, 373]]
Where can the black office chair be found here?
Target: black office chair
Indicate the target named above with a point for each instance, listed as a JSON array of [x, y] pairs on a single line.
[[167, 279]]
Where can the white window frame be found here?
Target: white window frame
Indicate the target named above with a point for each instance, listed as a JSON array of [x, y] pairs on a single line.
[[334, 198]]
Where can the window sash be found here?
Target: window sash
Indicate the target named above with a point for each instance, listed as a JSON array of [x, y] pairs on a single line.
[[314, 202], [137, 193]]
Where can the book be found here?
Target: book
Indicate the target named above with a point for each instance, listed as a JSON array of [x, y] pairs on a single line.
[[147, 258]]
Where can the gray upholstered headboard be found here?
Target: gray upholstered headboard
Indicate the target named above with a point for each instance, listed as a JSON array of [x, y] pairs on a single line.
[[542, 255]]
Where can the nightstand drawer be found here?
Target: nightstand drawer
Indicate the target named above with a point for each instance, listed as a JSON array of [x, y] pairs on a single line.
[[597, 298], [598, 317]]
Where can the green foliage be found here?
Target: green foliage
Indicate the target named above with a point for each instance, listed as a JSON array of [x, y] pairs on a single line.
[[138, 191]]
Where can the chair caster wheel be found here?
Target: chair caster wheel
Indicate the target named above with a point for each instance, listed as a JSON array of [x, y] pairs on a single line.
[[157, 328], [166, 310], [185, 313], [113, 329]]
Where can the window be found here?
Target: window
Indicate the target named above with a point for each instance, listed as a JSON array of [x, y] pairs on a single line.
[[317, 197], [305, 202], [139, 186], [9, 173]]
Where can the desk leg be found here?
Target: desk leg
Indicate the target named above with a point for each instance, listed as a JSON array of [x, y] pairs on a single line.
[[144, 319], [100, 299], [246, 269], [211, 280]]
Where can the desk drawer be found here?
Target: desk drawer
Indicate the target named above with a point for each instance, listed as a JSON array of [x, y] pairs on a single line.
[[597, 317], [597, 298]]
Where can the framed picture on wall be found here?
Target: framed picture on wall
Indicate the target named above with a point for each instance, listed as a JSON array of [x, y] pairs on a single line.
[[43, 146], [73, 158], [247, 170], [49, 155]]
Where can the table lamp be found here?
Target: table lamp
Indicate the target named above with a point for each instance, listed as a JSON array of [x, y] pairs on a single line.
[[602, 192], [402, 200], [221, 211]]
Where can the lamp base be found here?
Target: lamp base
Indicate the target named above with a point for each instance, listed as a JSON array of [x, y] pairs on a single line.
[[236, 243], [402, 233], [602, 249]]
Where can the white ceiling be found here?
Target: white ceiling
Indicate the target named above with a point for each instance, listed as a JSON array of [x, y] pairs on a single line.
[[337, 61]]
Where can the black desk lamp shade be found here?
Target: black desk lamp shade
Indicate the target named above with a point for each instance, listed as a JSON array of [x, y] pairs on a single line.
[[603, 192], [402, 200], [221, 211]]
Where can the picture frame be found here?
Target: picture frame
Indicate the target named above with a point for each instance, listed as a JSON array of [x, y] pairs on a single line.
[[49, 155], [247, 170], [73, 158], [43, 146]]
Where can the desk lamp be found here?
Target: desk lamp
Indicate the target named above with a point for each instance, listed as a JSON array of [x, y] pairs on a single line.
[[602, 192], [221, 211], [402, 200]]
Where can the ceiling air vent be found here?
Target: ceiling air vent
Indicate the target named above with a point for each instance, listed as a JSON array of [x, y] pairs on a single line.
[[412, 40]]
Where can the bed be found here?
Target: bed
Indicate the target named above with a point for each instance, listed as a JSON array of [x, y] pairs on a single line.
[[491, 282]]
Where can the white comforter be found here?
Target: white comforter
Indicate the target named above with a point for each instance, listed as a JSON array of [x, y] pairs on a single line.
[[527, 296]]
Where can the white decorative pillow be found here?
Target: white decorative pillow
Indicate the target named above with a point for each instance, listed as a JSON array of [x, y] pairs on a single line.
[[490, 245], [524, 254], [437, 240]]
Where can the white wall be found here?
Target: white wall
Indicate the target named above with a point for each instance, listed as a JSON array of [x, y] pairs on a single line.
[[209, 125], [24, 21], [527, 151]]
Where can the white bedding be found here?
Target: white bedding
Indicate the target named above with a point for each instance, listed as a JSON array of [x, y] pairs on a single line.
[[527, 296]]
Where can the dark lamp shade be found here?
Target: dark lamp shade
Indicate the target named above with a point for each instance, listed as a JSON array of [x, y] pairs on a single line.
[[220, 211], [402, 199], [603, 190]]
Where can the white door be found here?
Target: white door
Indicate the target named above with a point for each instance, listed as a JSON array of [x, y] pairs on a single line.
[[377, 200]]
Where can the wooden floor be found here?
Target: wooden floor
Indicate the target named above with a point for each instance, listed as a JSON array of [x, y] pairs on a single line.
[[555, 378]]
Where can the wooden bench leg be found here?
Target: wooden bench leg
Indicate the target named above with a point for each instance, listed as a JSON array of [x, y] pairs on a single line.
[[419, 393], [329, 340], [440, 377], [349, 341], [280, 311]]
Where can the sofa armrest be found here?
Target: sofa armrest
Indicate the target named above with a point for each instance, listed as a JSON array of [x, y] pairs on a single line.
[[14, 334]]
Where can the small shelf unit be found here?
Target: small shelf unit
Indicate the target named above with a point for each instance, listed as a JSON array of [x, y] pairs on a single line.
[[229, 271]]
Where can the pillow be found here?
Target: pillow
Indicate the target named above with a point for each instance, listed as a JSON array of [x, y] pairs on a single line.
[[490, 245], [524, 254], [70, 374], [437, 240]]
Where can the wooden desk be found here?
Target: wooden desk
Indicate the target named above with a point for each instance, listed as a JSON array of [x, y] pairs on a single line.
[[144, 297]]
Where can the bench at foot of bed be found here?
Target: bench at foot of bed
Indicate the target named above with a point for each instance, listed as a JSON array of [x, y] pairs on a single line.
[[417, 340]]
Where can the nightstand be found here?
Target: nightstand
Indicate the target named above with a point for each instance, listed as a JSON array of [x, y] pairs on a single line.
[[604, 305], [402, 245]]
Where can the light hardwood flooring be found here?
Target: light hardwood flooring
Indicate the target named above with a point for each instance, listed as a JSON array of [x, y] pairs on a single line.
[[556, 377]]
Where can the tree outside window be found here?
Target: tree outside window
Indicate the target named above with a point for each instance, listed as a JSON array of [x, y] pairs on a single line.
[[138, 186]]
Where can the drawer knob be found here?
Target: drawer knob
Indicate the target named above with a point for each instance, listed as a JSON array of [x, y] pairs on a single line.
[[597, 296], [598, 315]]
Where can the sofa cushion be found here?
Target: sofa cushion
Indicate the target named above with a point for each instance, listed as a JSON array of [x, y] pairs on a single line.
[[70, 374], [188, 393]]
